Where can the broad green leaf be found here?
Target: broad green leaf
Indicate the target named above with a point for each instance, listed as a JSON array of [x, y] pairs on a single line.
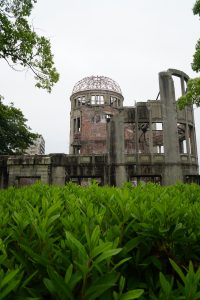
[[75, 279], [76, 243], [8, 289], [29, 278], [48, 283], [133, 243], [53, 208], [84, 268], [134, 294], [8, 277], [121, 262], [107, 254], [95, 236], [165, 285], [68, 273], [115, 296], [37, 258], [87, 234], [177, 269], [58, 285], [52, 219], [101, 248], [101, 285], [156, 262], [121, 284], [2, 258]]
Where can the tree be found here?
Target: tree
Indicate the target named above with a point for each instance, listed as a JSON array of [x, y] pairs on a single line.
[[15, 135], [20, 45], [193, 88]]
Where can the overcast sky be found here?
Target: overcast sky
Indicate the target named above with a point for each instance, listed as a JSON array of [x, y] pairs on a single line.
[[130, 41]]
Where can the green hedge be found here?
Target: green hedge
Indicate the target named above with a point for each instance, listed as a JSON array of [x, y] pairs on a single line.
[[100, 242]]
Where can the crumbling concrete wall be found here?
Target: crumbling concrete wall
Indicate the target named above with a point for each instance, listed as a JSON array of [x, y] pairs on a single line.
[[25, 170]]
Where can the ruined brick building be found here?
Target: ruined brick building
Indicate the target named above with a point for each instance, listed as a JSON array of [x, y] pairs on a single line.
[[112, 143]]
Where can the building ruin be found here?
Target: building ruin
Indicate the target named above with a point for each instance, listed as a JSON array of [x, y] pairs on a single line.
[[152, 141]]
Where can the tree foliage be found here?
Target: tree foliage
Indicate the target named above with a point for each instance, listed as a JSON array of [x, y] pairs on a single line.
[[15, 135], [193, 88], [21, 46]]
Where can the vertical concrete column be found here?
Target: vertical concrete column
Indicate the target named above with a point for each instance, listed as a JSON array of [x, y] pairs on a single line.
[[173, 171], [194, 137], [106, 99], [58, 175], [117, 130], [150, 130], [186, 125], [182, 85], [109, 152], [188, 146], [71, 135], [137, 142]]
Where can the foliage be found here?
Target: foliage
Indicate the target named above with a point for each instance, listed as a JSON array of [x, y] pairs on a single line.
[[15, 136], [21, 46], [193, 88], [100, 242]]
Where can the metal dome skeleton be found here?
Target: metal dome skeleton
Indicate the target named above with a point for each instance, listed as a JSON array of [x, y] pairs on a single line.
[[97, 83]]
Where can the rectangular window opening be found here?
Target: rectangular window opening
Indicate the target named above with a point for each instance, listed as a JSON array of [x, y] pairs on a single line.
[[177, 87], [93, 100], [182, 138], [143, 137], [78, 124], [158, 142], [74, 125]]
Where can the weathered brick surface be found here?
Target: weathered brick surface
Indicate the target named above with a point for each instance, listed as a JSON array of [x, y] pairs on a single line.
[[94, 129]]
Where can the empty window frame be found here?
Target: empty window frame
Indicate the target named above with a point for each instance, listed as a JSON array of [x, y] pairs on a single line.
[[130, 138], [77, 125], [143, 137], [97, 100], [74, 125], [80, 101], [180, 86], [76, 150], [177, 87], [99, 118], [113, 101], [191, 140], [157, 133], [182, 138], [157, 126]]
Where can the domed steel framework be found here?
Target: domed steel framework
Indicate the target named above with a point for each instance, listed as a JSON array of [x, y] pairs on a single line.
[[97, 83]]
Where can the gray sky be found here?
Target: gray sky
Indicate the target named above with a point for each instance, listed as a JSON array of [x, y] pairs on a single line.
[[130, 41]]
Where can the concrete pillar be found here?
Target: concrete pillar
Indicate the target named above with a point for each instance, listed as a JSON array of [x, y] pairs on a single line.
[[172, 171], [182, 85], [58, 175], [117, 132], [194, 137]]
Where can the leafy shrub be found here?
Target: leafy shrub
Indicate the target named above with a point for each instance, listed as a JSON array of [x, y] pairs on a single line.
[[100, 242]]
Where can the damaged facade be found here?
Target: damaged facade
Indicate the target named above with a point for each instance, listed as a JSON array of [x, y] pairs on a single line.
[[151, 141]]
